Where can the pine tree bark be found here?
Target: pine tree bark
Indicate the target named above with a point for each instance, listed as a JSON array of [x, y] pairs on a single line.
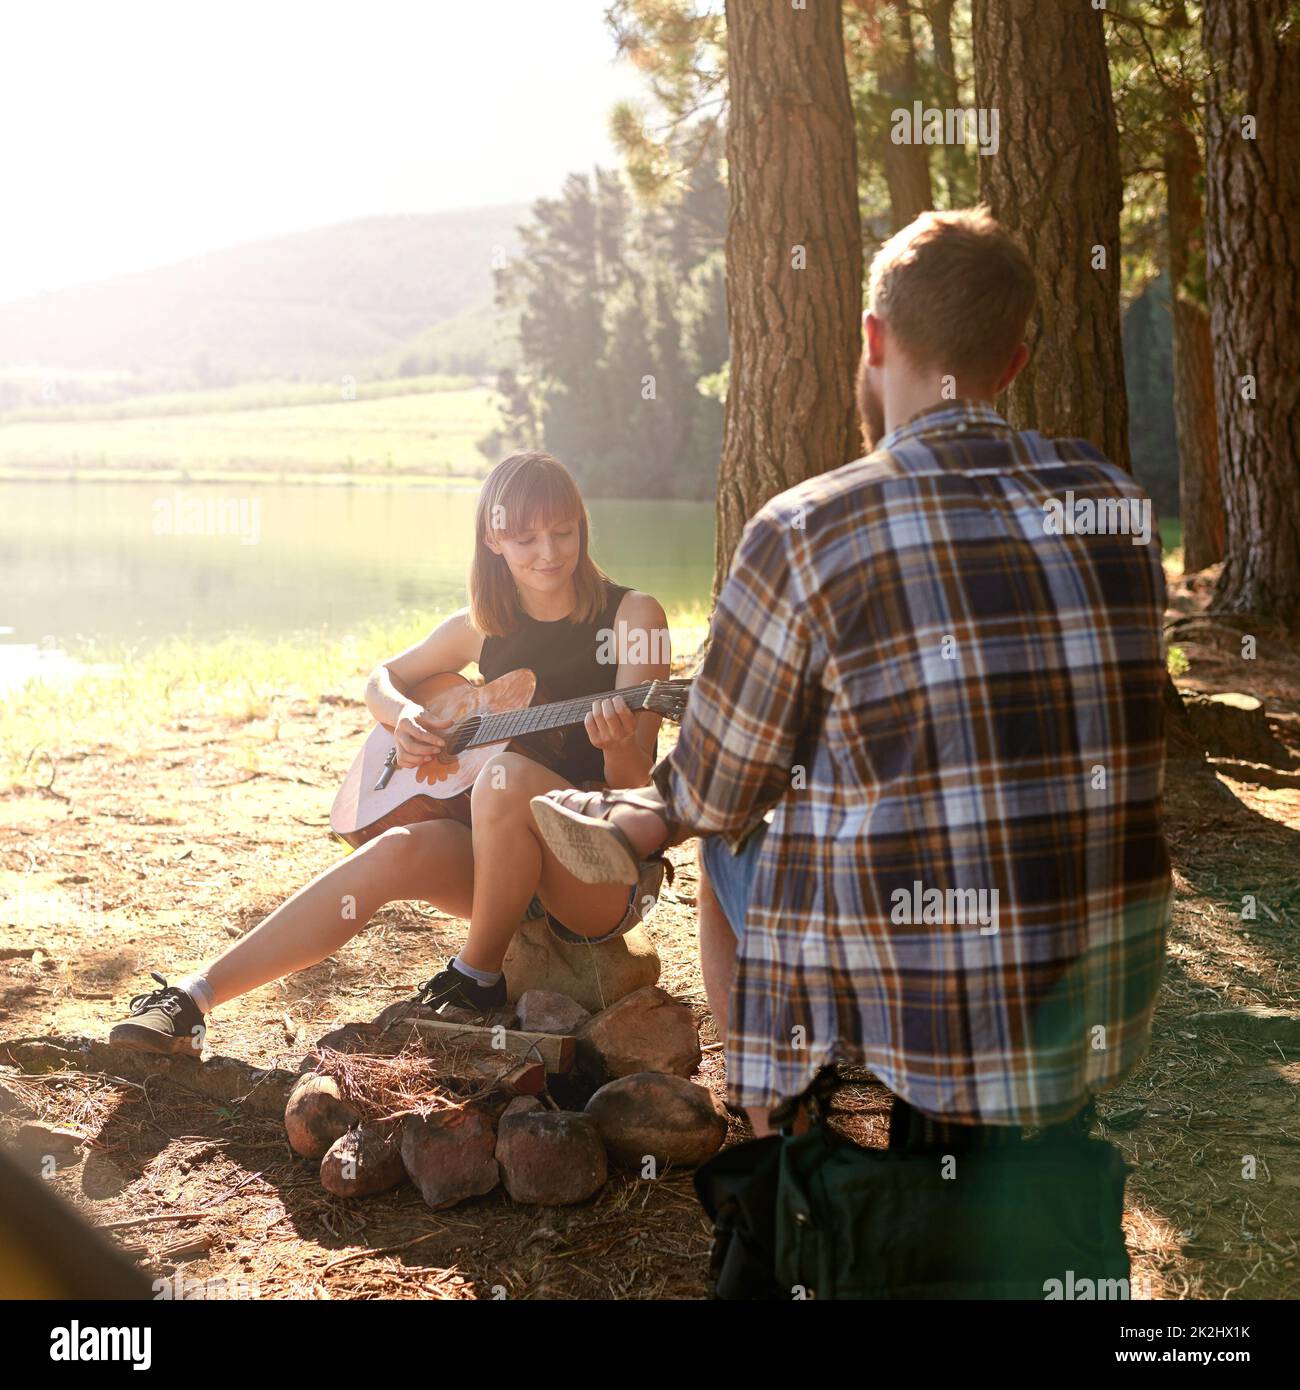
[[1195, 422], [1055, 183], [1253, 279], [794, 333]]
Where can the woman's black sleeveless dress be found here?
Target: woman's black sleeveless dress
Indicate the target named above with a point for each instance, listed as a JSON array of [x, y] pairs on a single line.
[[563, 657]]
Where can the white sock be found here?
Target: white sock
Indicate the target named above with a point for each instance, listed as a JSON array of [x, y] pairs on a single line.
[[484, 977], [197, 987]]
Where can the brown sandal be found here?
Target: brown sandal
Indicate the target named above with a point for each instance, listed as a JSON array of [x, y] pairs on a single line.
[[576, 826]]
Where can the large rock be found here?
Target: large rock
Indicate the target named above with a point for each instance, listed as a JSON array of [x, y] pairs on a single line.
[[364, 1160], [647, 1030], [317, 1115], [549, 1157], [652, 1115], [449, 1155], [544, 1011], [594, 976]]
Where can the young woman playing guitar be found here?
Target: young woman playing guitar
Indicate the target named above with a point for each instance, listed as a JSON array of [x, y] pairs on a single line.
[[537, 601]]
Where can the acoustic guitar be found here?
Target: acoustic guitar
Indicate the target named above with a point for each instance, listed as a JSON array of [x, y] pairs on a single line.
[[377, 794]]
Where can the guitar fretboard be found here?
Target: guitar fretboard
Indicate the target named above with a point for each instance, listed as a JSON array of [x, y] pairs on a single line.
[[498, 728]]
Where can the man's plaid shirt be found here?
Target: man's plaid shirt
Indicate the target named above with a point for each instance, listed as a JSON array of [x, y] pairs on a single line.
[[938, 689]]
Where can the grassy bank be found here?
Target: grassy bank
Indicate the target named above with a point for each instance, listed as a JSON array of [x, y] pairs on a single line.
[[412, 426], [127, 693], [249, 395]]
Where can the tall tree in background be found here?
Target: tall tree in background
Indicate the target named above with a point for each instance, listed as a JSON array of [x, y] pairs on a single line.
[[794, 258], [1253, 276], [907, 166], [896, 54], [1158, 72], [938, 14], [622, 312], [1200, 494], [1055, 181]]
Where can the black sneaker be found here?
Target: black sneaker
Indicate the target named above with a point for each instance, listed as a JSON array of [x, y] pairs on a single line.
[[451, 987], [164, 1020]]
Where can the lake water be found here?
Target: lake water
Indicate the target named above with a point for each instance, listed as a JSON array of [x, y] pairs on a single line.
[[120, 560]]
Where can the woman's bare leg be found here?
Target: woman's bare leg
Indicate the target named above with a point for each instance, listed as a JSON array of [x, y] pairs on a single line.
[[512, 862], [431, 861]]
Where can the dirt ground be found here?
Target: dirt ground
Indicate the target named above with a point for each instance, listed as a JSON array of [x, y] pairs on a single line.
[[155, 862]]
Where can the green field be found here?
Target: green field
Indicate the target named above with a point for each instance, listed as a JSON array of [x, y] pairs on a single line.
[[425, 426]]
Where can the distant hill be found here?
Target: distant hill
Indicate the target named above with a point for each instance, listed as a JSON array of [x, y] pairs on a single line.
[[377, 296]]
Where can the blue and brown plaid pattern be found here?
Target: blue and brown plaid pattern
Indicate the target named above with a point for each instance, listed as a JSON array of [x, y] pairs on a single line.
[[944, 698]]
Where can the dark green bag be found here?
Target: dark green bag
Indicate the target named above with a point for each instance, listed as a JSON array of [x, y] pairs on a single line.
[[817, 1216]]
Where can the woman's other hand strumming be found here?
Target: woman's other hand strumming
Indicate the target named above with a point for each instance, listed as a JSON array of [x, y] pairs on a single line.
[[419, 738]]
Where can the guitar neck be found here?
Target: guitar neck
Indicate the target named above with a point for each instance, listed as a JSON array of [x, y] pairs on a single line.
[[514, 723]]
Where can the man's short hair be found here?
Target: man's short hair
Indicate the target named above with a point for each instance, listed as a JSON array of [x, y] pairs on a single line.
[[956, 291]]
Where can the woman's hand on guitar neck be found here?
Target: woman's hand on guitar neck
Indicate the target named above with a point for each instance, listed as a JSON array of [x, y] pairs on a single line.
[[417, 737], [610, 724], [612, 727]]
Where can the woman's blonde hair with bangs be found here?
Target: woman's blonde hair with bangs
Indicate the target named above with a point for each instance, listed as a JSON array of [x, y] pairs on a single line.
[[522, 492]]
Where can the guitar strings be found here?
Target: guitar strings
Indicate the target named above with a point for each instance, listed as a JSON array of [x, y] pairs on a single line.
[[476, 730], [495, 728]]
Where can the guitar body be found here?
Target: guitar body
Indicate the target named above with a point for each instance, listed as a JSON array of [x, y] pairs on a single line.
[[434, 790]]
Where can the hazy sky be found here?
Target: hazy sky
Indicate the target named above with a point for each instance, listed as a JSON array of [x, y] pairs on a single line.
[[139, 132]]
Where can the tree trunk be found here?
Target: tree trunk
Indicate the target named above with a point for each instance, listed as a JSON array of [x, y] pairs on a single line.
[[1253, 278], [907, 167], [1201, 501], [1055, 182], [793, 202], [939, 15]]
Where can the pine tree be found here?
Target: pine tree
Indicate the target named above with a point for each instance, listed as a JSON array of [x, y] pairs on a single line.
[[1253, 276], [794, 258], [1055, 182]]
